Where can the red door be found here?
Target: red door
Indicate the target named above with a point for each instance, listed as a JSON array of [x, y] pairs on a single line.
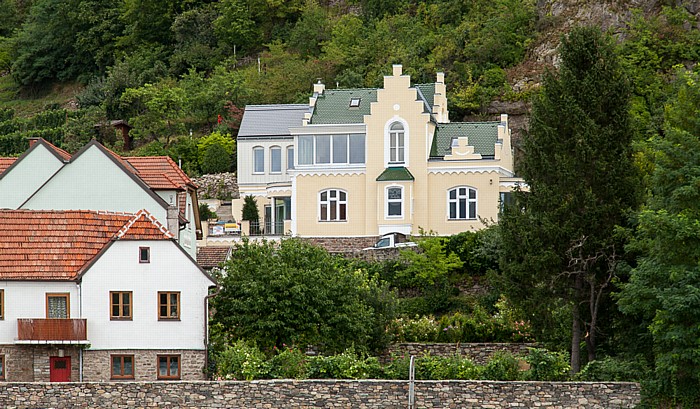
[[59, 369]]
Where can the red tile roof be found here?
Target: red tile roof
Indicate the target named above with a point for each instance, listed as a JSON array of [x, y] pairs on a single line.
[[57, 245], [211, 256], [6, 163], [159, 172]]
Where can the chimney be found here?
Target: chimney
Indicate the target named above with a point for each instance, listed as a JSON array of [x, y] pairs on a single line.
[[319, 87], [397, 70], [174, 221], [33, 141], [440, 78]]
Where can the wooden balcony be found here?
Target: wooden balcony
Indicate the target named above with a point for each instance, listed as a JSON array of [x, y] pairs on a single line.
[[37, 330]]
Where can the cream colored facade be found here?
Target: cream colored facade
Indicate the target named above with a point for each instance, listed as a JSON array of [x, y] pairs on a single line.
[[370, 162]]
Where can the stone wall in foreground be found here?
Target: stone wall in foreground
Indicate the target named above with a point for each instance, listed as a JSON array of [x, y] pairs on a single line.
[[365, 394]]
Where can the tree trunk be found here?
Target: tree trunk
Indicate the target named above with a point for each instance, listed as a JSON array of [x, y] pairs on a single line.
[[575, 341]]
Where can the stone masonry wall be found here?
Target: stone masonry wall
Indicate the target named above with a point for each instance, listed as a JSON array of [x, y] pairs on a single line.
[[479, 353], [369, 394], [342, 244], [97, 364]]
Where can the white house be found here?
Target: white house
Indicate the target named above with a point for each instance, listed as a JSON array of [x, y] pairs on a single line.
[[48, 178], [98, 296]]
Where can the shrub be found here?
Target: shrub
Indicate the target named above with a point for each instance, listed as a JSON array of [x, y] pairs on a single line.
[[289, 363], [502, 366], [242, 361], [205, 213], [547, 366], [348, 365], [615, 369], [216, 159]]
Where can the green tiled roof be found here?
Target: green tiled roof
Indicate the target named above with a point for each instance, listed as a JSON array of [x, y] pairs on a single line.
[[482, 136], [428, 91], [397, 173], [333, 106]]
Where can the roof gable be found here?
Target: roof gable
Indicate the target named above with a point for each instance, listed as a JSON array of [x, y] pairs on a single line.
[[482, 136], [159, 172], [57, 245]]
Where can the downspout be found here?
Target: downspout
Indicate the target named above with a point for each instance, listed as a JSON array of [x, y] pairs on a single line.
[[206, 325], [80, 350]]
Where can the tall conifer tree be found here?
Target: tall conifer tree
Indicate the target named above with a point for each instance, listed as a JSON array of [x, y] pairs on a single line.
[[560, 247]]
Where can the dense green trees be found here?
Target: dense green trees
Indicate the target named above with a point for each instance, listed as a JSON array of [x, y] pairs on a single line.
[[664, 288], [296, 294], [559, 243]]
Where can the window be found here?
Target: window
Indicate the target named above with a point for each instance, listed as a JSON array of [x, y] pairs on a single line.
[[326, 149], [122, 367], [57, 305], [2, 367], [120, 305], [290, 157], [333, 205], [258, 160], [394, 200], [144, 254], [396, 143], [169, 305], [461, 202], [168, 366], [2, 304], [275, 159], [355, 102]]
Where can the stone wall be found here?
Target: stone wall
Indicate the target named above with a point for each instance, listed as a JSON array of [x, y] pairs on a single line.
[[479, 353], [368, 394], [342, 244], [222, 186], [97, 364]]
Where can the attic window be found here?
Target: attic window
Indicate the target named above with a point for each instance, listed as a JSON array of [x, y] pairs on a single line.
[[355, 102], [144, 254]]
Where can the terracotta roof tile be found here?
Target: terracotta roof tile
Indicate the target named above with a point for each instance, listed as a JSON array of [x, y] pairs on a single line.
[[6, 163], [159, 171], [210, 257], [56, 245]]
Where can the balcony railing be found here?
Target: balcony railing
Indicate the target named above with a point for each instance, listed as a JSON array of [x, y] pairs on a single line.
[[37, 329]]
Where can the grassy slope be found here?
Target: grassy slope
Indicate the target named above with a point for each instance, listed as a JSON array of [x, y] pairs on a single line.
[[30, 103]]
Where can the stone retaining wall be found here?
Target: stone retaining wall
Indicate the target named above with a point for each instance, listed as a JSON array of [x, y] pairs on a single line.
[[369, 394], [479, 353]]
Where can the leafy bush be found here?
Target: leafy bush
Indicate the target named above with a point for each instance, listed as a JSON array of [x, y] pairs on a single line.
[[216, 159], [615, 369], [502, 366], [205, 213], [242, 361], [347, 365], [547, 366], [288, 363], [440, 368]]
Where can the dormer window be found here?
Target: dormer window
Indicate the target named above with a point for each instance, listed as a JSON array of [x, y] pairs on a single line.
[[355, 102], [144, 254]]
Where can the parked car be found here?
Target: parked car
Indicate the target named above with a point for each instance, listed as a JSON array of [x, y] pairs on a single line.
[[392, 240]]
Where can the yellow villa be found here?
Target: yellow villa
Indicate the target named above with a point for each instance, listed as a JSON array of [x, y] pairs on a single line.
[[360, 163]]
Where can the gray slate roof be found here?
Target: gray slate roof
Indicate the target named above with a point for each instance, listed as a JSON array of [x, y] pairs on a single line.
[[482, 136], [271, 120]]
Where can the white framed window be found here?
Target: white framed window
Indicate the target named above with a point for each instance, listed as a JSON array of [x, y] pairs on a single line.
[[290, 157], [258, 159], [461, 203], [333, 205], [394, 202], [396, 143], [275, 159], [326, 149]]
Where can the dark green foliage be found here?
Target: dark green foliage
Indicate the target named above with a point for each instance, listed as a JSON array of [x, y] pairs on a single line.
[[216, 159], [662, 293], [502, 367], [631, 369], [250, 209], [559, 241], [205, 213], [296, 294], [547, 366], [477, 250]]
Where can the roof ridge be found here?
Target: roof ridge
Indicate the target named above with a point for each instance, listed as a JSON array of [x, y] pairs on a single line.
[[145, 214]]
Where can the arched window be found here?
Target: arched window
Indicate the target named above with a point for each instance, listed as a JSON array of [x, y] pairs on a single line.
[[394, 201], [333, 205], [461, 203], [275, 159], [258, 159], [396, 143]]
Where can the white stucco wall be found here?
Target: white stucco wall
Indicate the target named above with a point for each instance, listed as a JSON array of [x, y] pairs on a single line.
[[94, 182], [19, 183], [245, 161], [28, 300], [169, 270]]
